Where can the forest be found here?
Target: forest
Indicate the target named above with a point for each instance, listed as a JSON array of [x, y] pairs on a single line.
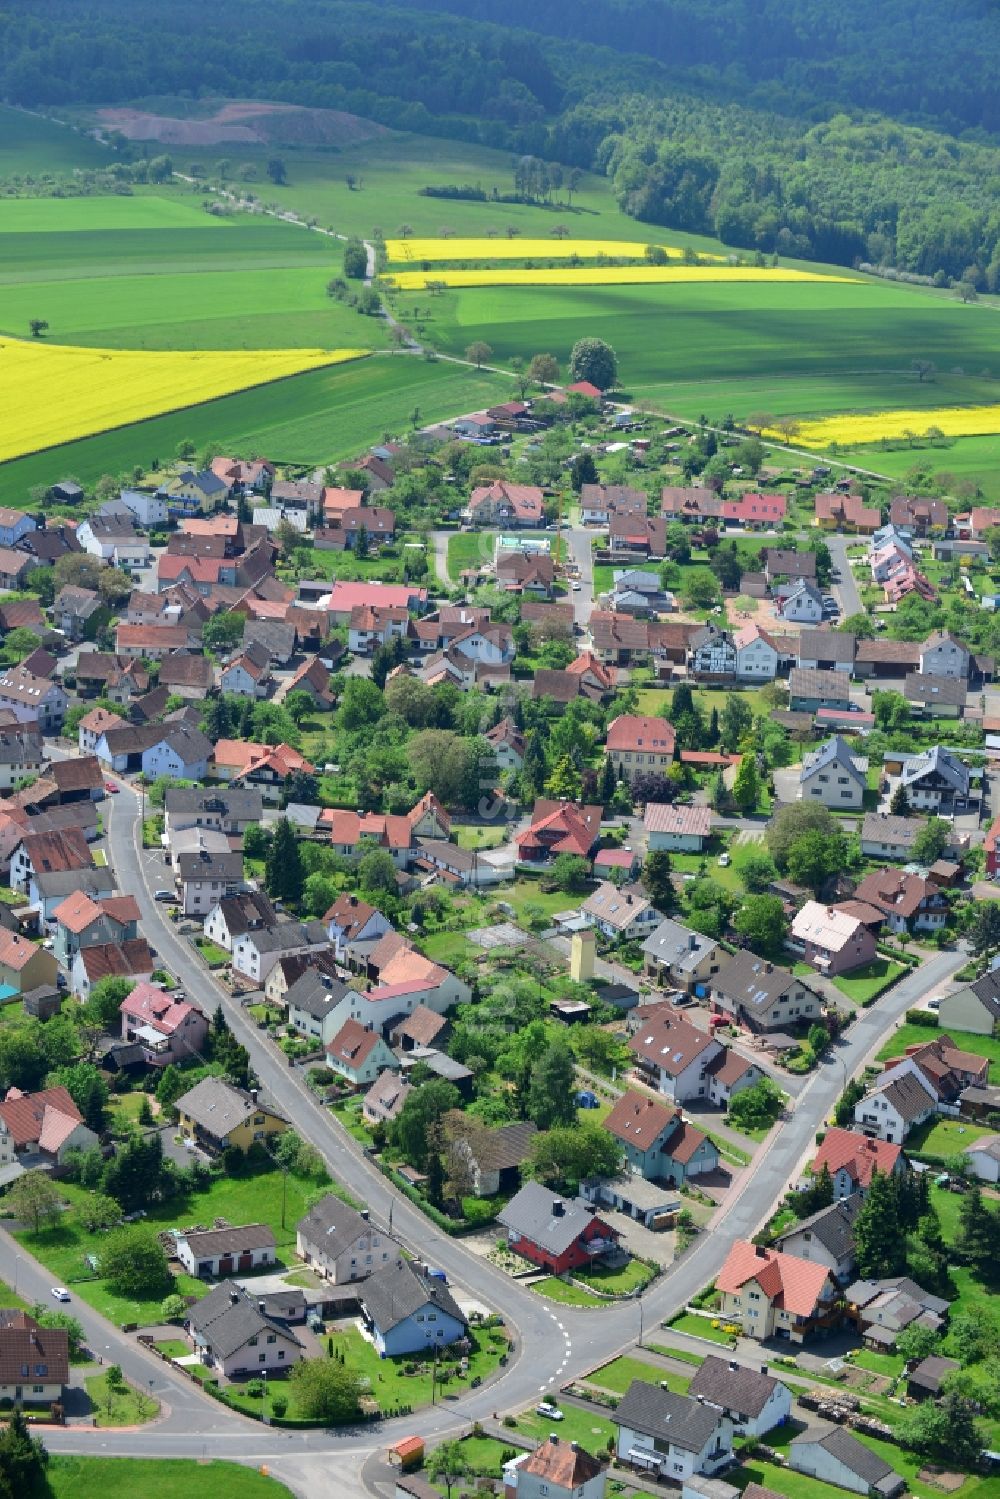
[[745, 120]]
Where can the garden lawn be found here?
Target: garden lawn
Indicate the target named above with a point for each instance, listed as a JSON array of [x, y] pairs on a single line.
[[469, 549], [126, 1406], [888, 1364], [864, 985], [917, 1035], [392, 1388], [620, 1372], [524, 893], [215, 957], [944, 1138], [472, 837], [242, 1199], [699, 1327], [584, 1426], [448, 948], [166, 1478], [554, 1289], [631, 1277]]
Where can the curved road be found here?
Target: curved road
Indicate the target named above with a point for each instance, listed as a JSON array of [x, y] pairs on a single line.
[[552, 1343]]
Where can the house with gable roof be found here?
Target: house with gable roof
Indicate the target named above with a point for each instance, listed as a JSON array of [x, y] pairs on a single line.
[[831, 940], [659, 1143], [753, 1400], [638, 743], [44, 1125], [231, 1333], [762, 996], [756, 654], [672, 1056], [351, 919], [84, 922], [851, 1158], [827, 1237], [502, 504], [554, 1233], [218, 1115], [407, 1310], [358, 1053], [340, 1243], [167, 1029], [908, 902], [681, 829], [671, 1436], [974, 1007], [622, 914], [770, 1294], [900, 1100], [559, 827], [834, 776], [832, 1454]]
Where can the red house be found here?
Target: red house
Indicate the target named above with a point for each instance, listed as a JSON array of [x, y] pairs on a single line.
[[559, 828], [554, 1233], [755, 510]]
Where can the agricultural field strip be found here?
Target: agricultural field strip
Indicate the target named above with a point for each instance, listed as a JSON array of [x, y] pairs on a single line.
[[603, 275], [104, 388], [860, 428], [406, 250]]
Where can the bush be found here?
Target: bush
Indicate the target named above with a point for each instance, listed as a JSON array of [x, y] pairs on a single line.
[[279, 1405], [254, 1388], [926, 1018]]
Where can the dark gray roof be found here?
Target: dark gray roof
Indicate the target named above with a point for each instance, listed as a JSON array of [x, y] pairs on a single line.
[[395, 1293], [732, 1386], [854, 1455], [230, 801], [315, 993], [835, 751], [286, 935], [237, 1239], [884, 827], [910, 1098], [826, 645], [675, 944], [62, 882], [753, 981], [833, 1226], [937, 761], [243, 911], [220, 1108], [190, 743], [332, 1224], [931, 1371], [205, 866], [807, 681], [530, 1213], [922, 687], [987, 991], [661, 1414], [228, 1317]]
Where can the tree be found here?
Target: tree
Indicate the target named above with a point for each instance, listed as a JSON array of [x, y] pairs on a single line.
[[583, 470], [983, 929], [931, 841], [134, 1264], [543, 369], [276, 170], [593, 360], [283, 866], [33, 1200], [355, 260], [361, 704], [71, 1325], [899, 803], [843, 1111], [818, 1194], [37, 326], [478, 353], [223, 631], [420, 1115], [879, 1247], [563, 781], [735, 722], [761, 920], [756, 1107], [978, 1235], [565, 1156], [98, 1211], [449, 1464], [701, 590], [377, 872], [924, 369], [88, 1091], [22, 1460], [727, 567], [570, 873], [173, 1308], [946, 1431], [754, 866], [746, 786], [790, 822], [326, 1390], [916, 1342], [552, 1091], [657, 881], [815, 857]]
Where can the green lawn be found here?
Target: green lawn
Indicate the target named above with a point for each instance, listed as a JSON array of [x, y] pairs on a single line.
[[944, 1137], [699, 1327], [586, 1427], [917, 1035], [554, 1289], [166, 1478], [525, 892], [630, 1278], [469, 549], [448, 948], [126, 1406], [472, 837], [888, 1364], [392, 1387], [215, 957], [244, 1199], [620, 1372], [864, 985]]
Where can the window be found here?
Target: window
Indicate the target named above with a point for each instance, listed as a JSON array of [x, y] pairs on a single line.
[[261, 1358], [37, 1389], [281, 1353], [253, 1341], [272, 1337]]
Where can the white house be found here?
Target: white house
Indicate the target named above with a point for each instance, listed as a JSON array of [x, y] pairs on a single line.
[[756, 655], [680, 829], [621, 915], [342, 1244], [205, 878], [313, 1002], [351, 919], [406, 1310], [834, 776], [237, 914], [804, 605], [557, 1469], [673, 1056], [754, 1401], [32, 698], [230, 1333], [182, 753], [358, 1054], [256, 951], [826, 1238], [899, 1102], [712, 653], [225, 1251], [833, 1455], [943, 655], [671, 1436], [148, 507], [983, 1158]]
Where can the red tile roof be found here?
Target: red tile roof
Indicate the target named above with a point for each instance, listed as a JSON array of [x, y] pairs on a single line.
[[842, 1149], [640, 1121], [153, 1006], [641, 731], [789, 1282], [26, 1114]]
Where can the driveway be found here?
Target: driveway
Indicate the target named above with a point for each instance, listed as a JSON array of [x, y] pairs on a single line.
[[846, 591]]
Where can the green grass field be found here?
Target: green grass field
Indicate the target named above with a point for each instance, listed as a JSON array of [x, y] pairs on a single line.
[[318, 418], [33, 147], [167, 1478], [866, 984], [918, 1035]]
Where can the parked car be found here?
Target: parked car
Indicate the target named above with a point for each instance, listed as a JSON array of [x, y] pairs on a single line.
[[164, 895], [111, 788], [60, 1293], [546, 1408], [724, 861]]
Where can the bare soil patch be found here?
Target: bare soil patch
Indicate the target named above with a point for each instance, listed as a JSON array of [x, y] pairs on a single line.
[[246, 122]]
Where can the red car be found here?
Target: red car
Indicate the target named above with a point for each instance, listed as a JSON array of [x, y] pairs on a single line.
[[111, 788]]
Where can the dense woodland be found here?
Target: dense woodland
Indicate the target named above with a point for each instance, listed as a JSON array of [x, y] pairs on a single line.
[[744, 119]]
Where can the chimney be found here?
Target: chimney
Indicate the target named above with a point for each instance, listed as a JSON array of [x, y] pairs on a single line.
[[558, 1208], [733, 1366], [234, 1298], [253, 1095], [692, 941], [575, 1446], [261, 1307], [553, 1439], [760, 1251], [364, 1214]]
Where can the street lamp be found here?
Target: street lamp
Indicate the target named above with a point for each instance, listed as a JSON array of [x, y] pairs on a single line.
[[639, 1299], [17, 1261]]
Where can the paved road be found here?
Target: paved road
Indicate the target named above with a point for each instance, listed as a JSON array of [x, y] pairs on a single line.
[[552, 1343], [581, 550], [846, 591]]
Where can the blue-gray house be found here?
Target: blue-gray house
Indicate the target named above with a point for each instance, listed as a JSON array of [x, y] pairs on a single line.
[[407, 1310]]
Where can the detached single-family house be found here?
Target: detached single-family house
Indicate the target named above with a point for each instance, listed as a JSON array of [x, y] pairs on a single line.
[[803, 605], [659, 1144], [890, 1110], [935, 780], [677, 957], [831, 940], [834, 776], [340, 1243], [34, 1360], [314, 1005], [671, 1436], [359, 1054], [809, 690], [167, 1029], [983, 1158], [559, 827], [679, 829], [763, 996], [754, 1401], [833, 1455], [944, 655], [554, 1233], [218, 1115], [43, 1126], [672, 1056], [351, 919], [23, 965], [33, 699], [406, 1310], [975, 1007], [205, 878], [235, 915], [852, 1158], [885, 836], [908, 902], [638, 743], [776, 1295], [756, 654], [557, 1469], [826, 1237], [83, 922], [385, 1098], [248, 674], [228, 809], [231, 1333], [217, 1252], [621, 914]]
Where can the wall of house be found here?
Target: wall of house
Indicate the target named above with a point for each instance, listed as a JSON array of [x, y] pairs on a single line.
[[810, 1457], [962, 1011], [427, 1328]]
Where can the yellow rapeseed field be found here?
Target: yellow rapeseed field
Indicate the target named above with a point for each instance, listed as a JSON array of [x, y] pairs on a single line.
[[399, 250], [872, 426], [624, 275], [51, 393]]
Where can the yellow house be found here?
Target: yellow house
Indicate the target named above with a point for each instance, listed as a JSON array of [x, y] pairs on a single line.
[[24, 965], [218, 1116]]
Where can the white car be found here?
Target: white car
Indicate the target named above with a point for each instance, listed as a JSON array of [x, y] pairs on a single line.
[[724, 861], [548, 1409], [576, 587], [60, 1293]]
